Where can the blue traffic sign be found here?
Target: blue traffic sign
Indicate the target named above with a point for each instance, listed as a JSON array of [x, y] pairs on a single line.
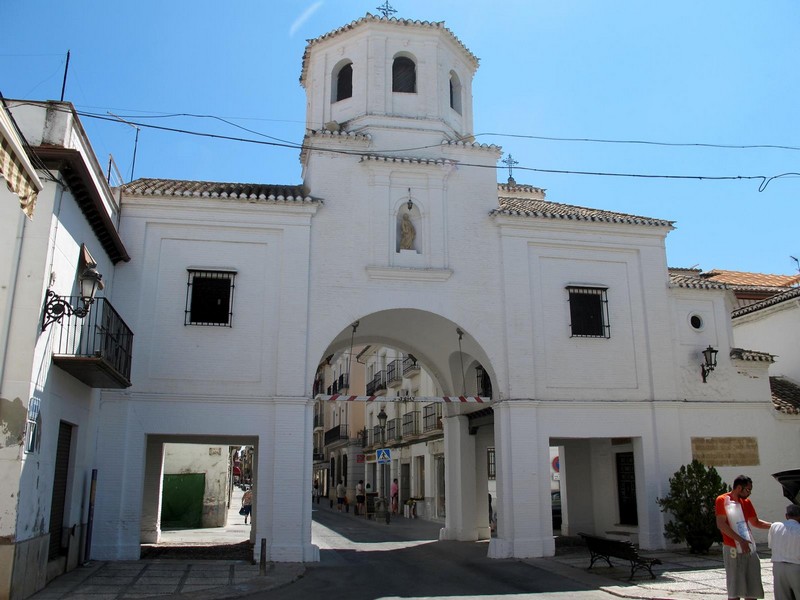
[[384, 456]]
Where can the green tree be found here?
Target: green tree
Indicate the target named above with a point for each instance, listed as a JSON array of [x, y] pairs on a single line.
[[692, 492]]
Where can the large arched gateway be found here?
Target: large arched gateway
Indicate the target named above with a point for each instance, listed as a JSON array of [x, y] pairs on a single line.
[[399, 235]]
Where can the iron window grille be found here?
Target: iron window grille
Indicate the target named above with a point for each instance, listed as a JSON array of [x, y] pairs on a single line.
[[491, 465], [588, 311], [404, 75], [209, 298]]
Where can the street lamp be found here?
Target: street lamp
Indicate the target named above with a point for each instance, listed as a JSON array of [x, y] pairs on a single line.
[[56, 307], [710, 358], [382, 417]]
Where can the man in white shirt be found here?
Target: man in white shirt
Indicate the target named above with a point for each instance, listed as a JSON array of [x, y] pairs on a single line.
[[784, 540]]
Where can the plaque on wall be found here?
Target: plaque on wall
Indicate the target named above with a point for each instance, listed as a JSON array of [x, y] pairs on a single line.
[[726, 451]]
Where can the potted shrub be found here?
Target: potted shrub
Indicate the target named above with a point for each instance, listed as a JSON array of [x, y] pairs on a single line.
[[690, 502]]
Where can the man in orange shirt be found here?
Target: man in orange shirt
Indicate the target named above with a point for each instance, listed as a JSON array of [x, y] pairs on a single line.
[[742, 567]]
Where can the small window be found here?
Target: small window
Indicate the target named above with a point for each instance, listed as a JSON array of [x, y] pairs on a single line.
[[588, 311], [32, 426], [696, 322], [344, 82], [404, 75], [209, 298], [455, 92], [491, 465]]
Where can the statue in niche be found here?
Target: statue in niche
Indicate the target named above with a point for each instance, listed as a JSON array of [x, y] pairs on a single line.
[[407, 233]]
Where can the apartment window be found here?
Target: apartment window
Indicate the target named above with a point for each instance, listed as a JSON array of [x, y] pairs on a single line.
[[209, 298], [32, 426], [490, 464], [588, 311], [404, 75]]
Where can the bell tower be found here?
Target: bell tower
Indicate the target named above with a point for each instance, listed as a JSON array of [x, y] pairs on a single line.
[[388, 77]]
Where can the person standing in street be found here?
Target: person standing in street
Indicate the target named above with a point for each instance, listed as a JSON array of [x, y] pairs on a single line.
[[341, 492], [247, 505], [360, 497], [784, 540], [735, 516], [395, 491]]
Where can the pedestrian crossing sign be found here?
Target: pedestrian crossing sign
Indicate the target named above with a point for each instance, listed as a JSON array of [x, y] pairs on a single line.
[[384, 456]]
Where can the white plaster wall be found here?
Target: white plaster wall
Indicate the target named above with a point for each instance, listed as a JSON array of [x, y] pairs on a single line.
[[775, 329], [267, 246], [371, 48], [282, 485], [212, 461]]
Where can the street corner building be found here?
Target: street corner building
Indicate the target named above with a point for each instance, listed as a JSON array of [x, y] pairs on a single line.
[[168, 311]]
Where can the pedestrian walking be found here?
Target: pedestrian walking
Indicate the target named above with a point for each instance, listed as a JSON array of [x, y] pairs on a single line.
[[735, 516]]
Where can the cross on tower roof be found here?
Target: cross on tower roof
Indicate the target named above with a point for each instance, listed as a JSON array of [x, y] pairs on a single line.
[[386, 9], [510, 162]]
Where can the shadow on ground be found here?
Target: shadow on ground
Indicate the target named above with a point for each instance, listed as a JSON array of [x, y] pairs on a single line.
[[240, 551]]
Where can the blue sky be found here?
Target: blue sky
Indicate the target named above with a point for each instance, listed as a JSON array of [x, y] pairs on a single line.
[[679, 72]]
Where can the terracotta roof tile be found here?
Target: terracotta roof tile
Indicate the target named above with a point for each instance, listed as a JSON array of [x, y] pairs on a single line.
[[370, 18], [690, 278], [785, 296], [211, 189], [785, 395], [751, 355], [539, 208], [741, 278]]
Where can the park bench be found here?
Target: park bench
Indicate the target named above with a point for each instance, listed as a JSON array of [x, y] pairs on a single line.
[[605, 548]]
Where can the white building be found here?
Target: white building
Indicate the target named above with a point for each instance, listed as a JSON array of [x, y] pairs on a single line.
[[238, 292], [54, 354]]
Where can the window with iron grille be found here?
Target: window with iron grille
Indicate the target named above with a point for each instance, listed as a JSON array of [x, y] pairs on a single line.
[[588, 311], [209, 298], [404, 75], [491, 466]]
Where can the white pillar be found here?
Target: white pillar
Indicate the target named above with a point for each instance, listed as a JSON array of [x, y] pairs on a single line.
[[283, 491], [151, 495], [460, 486], [524, 528]]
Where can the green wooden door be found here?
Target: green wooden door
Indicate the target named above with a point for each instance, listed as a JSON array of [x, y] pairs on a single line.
[[182, 501]]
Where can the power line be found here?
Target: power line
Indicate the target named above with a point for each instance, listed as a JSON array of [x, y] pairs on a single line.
[[765, 180], [644, 142]]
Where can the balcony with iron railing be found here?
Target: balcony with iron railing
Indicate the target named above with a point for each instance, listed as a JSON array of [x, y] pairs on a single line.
[[377, 384], [394, 373], [96, 349], [336, 434], [431, 417], [319, 420], [394, 429], [411, 421], [318, 455], [410, 366]]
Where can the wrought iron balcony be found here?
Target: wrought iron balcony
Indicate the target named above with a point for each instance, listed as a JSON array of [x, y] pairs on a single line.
[[319, 420], [336, 433], [432, 417], [318, 455], [96, 349], [410, 366], [394, 373], [394, 429], [377, 384], [411, 422]]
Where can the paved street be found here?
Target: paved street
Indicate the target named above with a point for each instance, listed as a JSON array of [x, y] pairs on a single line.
[[365, 559]]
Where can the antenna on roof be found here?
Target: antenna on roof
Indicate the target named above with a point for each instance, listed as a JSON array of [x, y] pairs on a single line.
[[386, 9]]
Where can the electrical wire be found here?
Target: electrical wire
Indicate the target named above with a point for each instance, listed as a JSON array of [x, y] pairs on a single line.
[[764, 179]]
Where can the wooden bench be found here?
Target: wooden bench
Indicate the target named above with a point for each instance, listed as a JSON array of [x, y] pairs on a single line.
[[605, 548]]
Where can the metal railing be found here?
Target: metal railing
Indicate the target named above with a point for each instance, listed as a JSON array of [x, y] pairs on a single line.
[[410, 366], [394, 372], [394, 429], [336, 433], [100, 334], [432, 417], [411, 423], [377, 384]]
